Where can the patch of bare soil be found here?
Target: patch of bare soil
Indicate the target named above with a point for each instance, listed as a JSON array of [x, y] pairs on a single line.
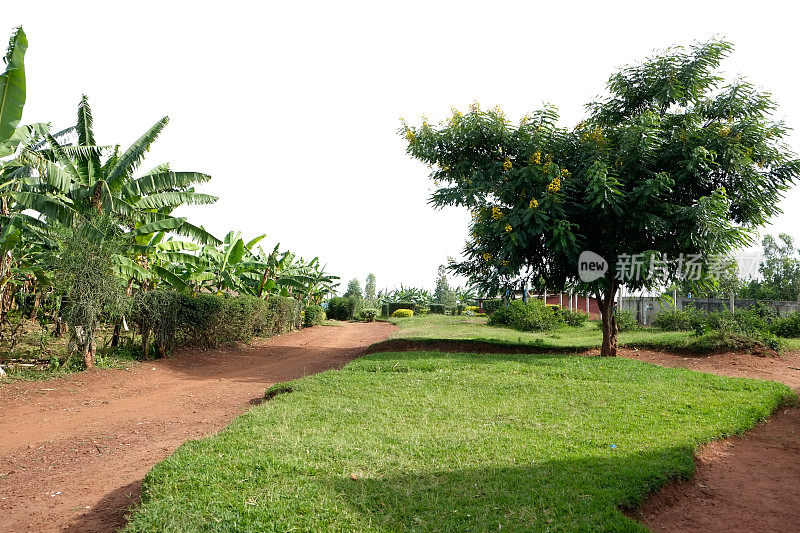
[[73, 451], [746, 483]]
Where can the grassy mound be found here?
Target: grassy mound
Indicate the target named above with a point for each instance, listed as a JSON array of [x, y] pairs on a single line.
[[444, 442]]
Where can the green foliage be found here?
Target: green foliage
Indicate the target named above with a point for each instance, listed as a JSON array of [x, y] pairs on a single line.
[[354, 290], [673, 155], [211, 319], [490, 306], [338, 308], [674, 319], [780, 271], [574, 319], [437, 309], [626, 321], [402, 313], [787, 326], [394, 306], [314, 315], [370, 286], [368, 314], [531, 316]]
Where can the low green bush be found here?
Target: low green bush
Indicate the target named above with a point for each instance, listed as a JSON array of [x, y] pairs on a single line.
[[490, 306], [473, 308], [437, 309], [368, 314], [787, 326], [574, 319], [314, 316], [403, 313], [170, 319], [676, 319], [338, 308], [531, 316], [626, 321]]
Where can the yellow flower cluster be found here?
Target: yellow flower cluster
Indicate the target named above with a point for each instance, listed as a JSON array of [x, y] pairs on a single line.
[[555, 185], [725, 131], [497, 214], [565, 173], [507, 164], [487, 257], [595, 134], [504, 262], [548, 159], [508, 228], [534, 203], [475, 106], [410, 136], [536, 158]]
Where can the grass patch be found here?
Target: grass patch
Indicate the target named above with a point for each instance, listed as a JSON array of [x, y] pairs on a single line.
[[585, 337], [428, 441]]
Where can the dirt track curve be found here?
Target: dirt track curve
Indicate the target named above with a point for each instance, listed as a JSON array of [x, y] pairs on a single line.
[[73, 451]]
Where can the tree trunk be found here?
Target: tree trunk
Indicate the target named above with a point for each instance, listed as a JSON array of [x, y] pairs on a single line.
[[609, 322], [88, 354]]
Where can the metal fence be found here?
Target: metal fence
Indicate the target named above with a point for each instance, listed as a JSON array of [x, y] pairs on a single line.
[[647, 307]]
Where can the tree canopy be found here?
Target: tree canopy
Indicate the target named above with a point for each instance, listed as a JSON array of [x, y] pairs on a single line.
[[673, 164]]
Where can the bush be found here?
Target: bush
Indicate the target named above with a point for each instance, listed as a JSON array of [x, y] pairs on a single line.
[[368, 314], [384, 309], [339, 308], [437, 309], [403, 313], [473, 308], [574, 319], [210, 319], [314, 316], [787, 326], [531, 316], [394, 306], [626, 321], [676, 319], [490, 306]]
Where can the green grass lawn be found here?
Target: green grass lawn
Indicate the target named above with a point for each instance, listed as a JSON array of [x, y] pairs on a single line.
[[426, 441], [588, 336]]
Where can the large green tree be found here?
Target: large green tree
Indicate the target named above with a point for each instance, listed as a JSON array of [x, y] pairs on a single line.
[[780, 271], [673, 163]]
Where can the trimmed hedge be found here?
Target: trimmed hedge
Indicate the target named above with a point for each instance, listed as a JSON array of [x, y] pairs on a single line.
[[403, 313], [490, 306], [314, 316], [210, 319], [368, 314], [437, 309], [394, 306]]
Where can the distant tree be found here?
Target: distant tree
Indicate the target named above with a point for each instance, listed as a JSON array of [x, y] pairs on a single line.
[[370, 288], [443, 294], [780, 271], [354, 290], [671, 163]]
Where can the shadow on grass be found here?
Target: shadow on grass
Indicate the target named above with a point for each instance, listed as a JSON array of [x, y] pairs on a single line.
[[563, 495]]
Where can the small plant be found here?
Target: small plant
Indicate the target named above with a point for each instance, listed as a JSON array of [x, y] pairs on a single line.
[[403, 313], [626, 321], [787, 326], [368, 314]]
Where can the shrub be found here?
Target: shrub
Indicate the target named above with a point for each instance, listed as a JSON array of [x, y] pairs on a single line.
[[437, 309], [626, 321], [368, 314], [787, 326], [354, 305], [676, 319], [490, 306], [210, 319], [338, 308], [458, 310], [403, 313], [575, 319], [314, 316], [384, 309], [472, 308], [394, 306], [531, 316]]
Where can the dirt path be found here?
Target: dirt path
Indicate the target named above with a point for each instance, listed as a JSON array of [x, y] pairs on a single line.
[[747, 483], [73, 451]]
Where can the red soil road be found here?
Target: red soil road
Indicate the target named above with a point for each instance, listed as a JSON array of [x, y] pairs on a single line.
[[74, 450], [746, 483]]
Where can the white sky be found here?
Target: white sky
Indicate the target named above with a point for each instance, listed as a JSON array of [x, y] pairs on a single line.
[[293, 107]]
